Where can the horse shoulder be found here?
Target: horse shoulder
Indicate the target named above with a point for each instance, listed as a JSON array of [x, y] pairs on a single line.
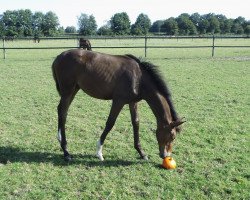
[[128, 84]]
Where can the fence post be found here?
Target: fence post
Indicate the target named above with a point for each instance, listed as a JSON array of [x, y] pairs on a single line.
[[145, 46], [213, 47], [4, 51]]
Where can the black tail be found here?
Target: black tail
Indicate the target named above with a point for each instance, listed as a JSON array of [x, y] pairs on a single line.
[[159, 82], [54, 76]]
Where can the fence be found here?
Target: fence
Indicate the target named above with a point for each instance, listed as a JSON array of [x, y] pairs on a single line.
[[145, 46]]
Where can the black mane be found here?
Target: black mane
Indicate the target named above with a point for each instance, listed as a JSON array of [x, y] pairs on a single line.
[[161, 85]]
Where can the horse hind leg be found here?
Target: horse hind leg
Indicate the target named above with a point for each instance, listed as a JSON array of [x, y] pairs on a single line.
[[63, 107]]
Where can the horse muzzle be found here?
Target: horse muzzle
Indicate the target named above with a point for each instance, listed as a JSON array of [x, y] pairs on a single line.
[[163, 153]]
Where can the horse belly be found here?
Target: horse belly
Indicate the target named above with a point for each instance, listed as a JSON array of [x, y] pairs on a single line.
[[96, 87]]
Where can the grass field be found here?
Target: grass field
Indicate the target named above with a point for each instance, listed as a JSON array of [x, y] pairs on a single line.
[[212, 152]]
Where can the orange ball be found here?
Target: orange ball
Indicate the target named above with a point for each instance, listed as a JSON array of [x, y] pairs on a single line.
[[169, 163]]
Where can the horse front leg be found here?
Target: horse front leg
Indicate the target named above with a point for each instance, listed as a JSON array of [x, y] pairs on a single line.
[[114, 112], [135, 123], [169, 148]]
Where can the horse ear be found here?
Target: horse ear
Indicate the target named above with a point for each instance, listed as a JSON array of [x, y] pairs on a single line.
[[176, 123]]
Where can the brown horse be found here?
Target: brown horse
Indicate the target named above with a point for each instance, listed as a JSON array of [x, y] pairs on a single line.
[[85, 44], [36, 39], [122, 79]]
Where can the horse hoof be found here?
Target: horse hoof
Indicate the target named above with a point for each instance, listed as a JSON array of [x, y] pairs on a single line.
[[145, 157], [68, 158], [100, 157]]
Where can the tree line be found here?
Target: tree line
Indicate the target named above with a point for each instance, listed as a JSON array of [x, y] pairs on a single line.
[[23, 23]]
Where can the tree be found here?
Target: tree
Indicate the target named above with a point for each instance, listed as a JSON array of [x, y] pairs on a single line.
[[37, 20], [70, 29], [238, 24], [157, 27], [9, 20], [50, 24], [141, 26], [228, 23], [170, 26], [87, 24], [247, 30], [186, 26], [196, 19], [1, 26], [120, 23], [24, 22], [60, 30], [240, 20], [214, 26], [222, 20], [203, 26], [105, 30], [237, 28], [17, 23], [245, 26]]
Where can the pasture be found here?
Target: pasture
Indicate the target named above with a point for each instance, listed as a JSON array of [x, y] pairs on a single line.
[[212, 152]]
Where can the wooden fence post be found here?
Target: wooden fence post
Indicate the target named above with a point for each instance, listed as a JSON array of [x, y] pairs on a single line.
[[4, 51], [213, 47], [145, 46]]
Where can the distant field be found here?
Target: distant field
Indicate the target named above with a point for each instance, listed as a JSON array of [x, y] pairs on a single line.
[[212, 153]]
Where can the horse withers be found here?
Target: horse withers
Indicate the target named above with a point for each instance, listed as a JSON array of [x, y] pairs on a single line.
[[122, 79]]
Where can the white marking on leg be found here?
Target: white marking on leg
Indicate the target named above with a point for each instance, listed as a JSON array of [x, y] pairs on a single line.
[[99, 150], [168, 154], [59, 136]]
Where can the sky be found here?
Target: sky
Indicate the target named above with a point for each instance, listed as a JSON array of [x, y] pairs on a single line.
[[68, 10]]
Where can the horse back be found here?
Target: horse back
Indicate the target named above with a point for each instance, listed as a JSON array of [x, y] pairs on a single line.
[[99, 75]]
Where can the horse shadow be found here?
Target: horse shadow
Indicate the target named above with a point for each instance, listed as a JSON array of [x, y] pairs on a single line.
[[16, 155]]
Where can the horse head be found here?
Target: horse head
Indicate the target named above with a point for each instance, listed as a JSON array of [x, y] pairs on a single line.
[[165, 136]]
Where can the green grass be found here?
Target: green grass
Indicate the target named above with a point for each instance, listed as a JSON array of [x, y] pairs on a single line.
[[212, 153]]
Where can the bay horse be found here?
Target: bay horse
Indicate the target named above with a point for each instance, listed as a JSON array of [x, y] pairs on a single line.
[[36, 39], [85, 44], [122, 79]]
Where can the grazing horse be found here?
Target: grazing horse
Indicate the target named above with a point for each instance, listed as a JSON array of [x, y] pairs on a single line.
[[9, 38], [85, 44], [36, 39], [122, 79]]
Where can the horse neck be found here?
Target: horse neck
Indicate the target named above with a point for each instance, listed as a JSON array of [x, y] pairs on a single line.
[[160, 108]]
